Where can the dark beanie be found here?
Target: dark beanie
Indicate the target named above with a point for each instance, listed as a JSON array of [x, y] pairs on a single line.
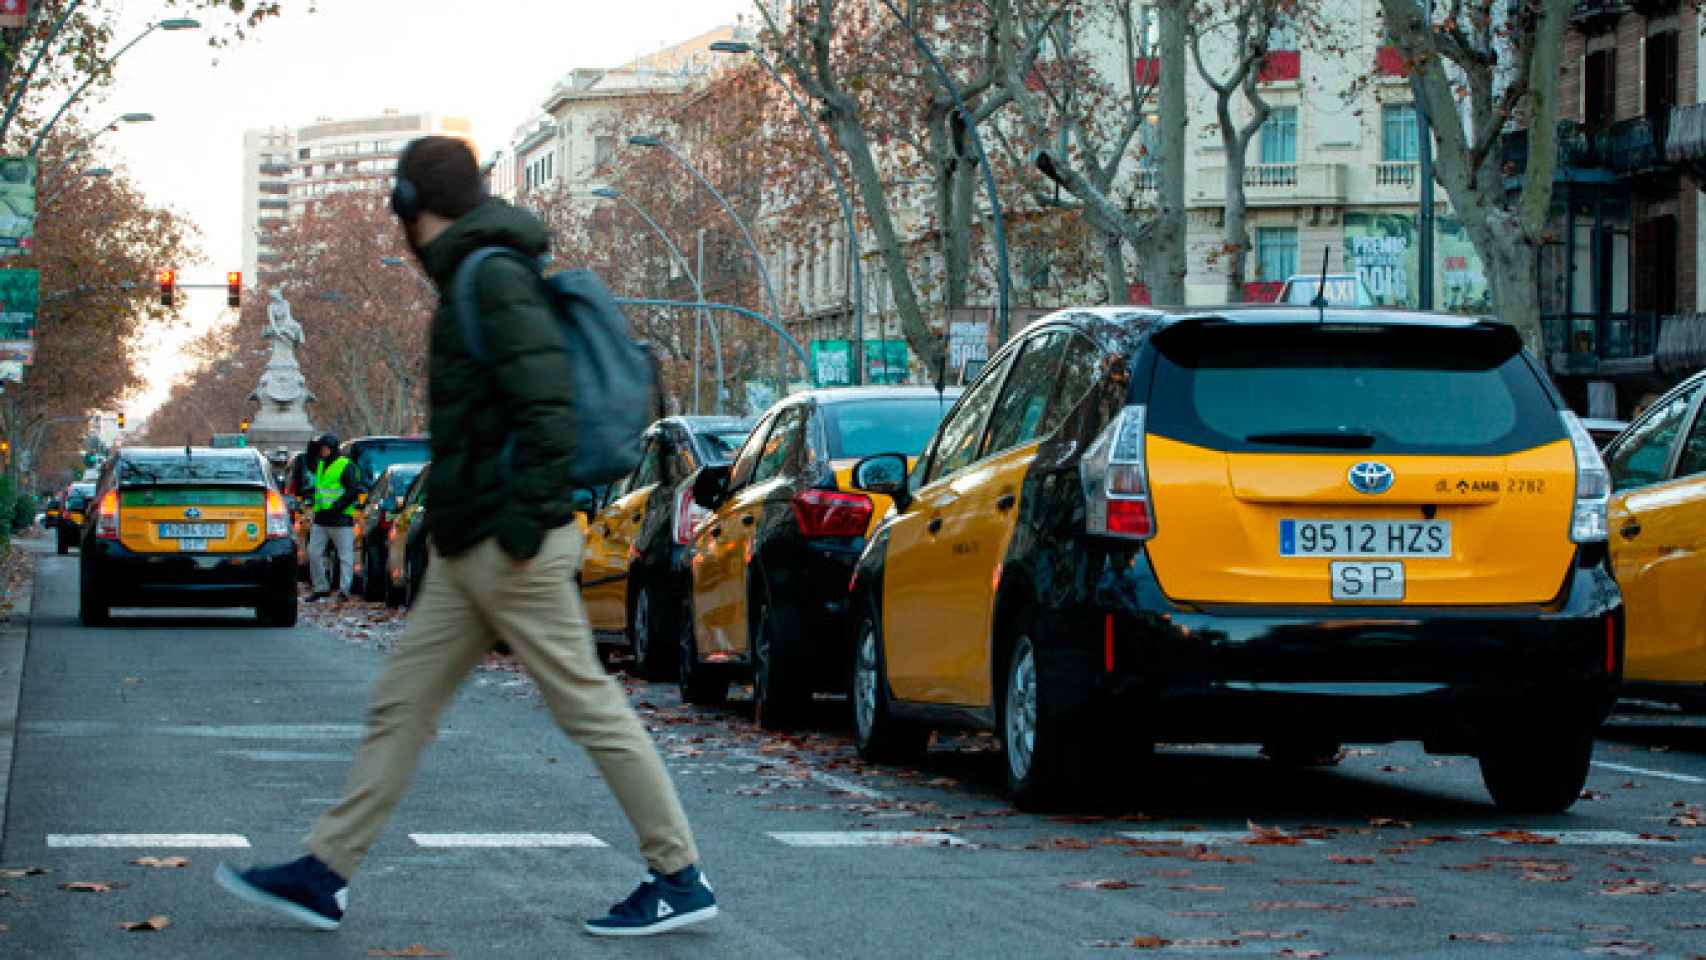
[[445, 174]]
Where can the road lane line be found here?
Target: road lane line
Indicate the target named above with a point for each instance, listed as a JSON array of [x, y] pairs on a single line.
[[1577, 838], [827, 779], [1661, 774], [868, 838], [533, 840], [146, 840]]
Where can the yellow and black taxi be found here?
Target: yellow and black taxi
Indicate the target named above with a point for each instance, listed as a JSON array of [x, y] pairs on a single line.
[[73, 512], [635, 570], [771, 561], [373, 529], [188, 527], [1255, 525], [406, 544], [1658, 544]]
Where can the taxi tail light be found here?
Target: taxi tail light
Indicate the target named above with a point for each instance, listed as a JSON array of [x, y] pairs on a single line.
[[278, 517], [688, 515], [1116, 480], [1588, 523], [106, 528], [830, 513]]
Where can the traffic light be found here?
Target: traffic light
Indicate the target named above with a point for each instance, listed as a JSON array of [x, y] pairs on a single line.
[[234, 289], [168, 287], [245, 425], [121, 419]]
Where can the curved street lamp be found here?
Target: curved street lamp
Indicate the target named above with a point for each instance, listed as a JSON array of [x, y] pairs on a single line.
[[857, 276], [611, 193], [757, 258], [172, 25], [82, 146]]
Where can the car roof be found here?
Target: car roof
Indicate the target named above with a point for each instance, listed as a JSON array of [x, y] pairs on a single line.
[[208, 452], [368, 441], [696, 423], [833, 395], [1274, 313]]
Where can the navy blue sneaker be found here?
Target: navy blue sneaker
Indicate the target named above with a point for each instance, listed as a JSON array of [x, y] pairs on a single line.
[[305, 890], [661, 904]]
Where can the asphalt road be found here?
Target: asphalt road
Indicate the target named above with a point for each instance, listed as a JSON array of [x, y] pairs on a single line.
[[206, 729]]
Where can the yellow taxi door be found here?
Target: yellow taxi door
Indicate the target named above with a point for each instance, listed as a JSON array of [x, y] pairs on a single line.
[[1658, 541], [604, 569], [719, 555]]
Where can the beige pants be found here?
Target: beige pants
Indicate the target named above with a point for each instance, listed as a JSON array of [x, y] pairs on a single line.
[[467, 602]]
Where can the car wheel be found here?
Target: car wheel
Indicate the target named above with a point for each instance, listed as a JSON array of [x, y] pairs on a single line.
[[1042, 738], [1540, 773], [93, 610], [652, 660], [279, 610], [877, 733], [700, 683], [373, 578], [778, 696]]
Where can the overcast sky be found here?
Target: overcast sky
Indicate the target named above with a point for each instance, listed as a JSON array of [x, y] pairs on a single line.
[[492, 61]]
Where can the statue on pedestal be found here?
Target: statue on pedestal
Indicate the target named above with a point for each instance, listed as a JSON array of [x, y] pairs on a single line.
[[283, 391]]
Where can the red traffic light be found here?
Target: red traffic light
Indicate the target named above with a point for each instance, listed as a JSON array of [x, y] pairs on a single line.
[[168, 286], [234, 289]]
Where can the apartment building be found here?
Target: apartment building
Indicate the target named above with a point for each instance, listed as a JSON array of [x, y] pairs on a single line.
[[266, 195], [337, 156]]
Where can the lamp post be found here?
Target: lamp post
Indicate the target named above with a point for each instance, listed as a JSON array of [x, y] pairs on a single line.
[[757, 258], [82, 146], [611, 193], [856, 277], [1001, 275], [172, 25]]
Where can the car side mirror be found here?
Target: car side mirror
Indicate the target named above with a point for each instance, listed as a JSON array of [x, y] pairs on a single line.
[[711, 486], [884, 473]]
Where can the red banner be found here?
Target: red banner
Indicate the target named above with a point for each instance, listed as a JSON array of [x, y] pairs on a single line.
[[1148, 70], [1280, 65], [1263, 291], [14, 13], [1388, 62]]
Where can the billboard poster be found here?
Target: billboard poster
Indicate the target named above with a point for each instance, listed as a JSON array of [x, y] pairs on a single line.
[[967, 343], [832, 362], [887, 362], [17, 205], [1462, 279], [20, 293], [1384, 249]]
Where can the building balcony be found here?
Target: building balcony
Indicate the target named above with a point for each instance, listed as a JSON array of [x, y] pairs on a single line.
[[1598, 16], [1146, 179], [1281, 66], [275, 169], [1637, 145], [1604, 344], [1578, 147], [274, 203], [1276, 185]]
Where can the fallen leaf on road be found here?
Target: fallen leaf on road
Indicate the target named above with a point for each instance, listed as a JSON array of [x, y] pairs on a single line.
[[1301, 882], [150, 925], [17, 873], [1342, 858], [1148, 942], [1390, 903], [1594, 795], [1393, 768], [1620, 948], [1269, 836], [1271, 934], [1198, 888], [89, 886], [1533, 877], [1293, 952], [1390, 822], [1060, 843], [416, 950], [161, 863], [1664, 837], [1478, 937], [1604, 927], [1520, 836], [1272, 905], [1198, 914], [1467, 867], [1206, 942], [1632, 887], [1076, 818], [1100, 885], [1687, 925]]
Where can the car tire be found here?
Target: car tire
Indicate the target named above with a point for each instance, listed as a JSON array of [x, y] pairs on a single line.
[[653, 661], [373, 578], [1043, 739], [1541, 773], [878, 734], [779, 697], [280, 609], [701, 684], [93, 610]]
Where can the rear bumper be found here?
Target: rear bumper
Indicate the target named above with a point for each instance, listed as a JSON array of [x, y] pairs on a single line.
[[819, 587], [1448, 676], [125, 578]]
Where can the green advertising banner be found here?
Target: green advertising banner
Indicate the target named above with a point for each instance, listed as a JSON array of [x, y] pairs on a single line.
[[1384, 249], [17, 205], [887, 361], [832, 362], [20, 294]]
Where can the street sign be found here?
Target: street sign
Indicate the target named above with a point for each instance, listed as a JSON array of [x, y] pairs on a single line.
[[20, 293], [17, 205]]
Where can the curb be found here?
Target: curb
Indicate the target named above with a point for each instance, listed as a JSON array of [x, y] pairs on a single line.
[[14, 640]]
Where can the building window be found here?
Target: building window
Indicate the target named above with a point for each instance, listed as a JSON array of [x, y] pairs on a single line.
[[1599, 82], [1276, 252], [1282, 35], [603, 151], [1399, 137], [1279, 136]]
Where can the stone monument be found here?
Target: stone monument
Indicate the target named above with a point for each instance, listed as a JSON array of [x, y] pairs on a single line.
[[282, 423]]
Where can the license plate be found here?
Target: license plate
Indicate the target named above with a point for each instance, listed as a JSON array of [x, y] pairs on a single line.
[[1368, 581], [190, 545], [1365, 538], [192, 531]]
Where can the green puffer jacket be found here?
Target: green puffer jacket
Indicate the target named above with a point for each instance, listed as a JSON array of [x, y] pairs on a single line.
[[478, 488]]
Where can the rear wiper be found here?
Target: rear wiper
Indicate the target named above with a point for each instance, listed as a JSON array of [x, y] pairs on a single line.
[[1338, 439]]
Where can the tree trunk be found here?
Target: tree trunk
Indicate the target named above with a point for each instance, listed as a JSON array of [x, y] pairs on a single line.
[[1161, 253], [1113, 268], [1237, 230]]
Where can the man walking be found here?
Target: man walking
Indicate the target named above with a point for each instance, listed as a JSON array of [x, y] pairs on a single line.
[[338, 486], [505, 552]]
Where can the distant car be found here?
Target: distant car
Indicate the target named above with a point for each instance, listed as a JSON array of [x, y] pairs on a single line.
[[187, 527], [1604, 431], [77, 498], [371, 456], [54, 510], [638, 545], [373, 528], [406, 549], [1343, 290]]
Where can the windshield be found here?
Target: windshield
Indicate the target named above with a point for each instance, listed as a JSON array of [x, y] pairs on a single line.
[[373, 459], [79, 496], [719, 446], [403, 475], [863, 428], [175, 467]]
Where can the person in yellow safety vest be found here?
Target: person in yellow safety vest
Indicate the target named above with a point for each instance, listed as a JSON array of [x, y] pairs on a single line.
[[338, 486]]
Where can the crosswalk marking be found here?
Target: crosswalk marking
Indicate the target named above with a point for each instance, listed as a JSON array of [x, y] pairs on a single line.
[[171, 840], [867, 838], [1644, 772], [1579, 838], [506, 840], [1583, 838]]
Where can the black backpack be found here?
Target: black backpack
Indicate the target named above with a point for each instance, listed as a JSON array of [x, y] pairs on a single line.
[[613, 377]]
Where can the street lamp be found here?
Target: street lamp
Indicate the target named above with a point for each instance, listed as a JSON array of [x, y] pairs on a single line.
[[82, 146], [853, 245], [172, 25], [611, 193], [757, 258]]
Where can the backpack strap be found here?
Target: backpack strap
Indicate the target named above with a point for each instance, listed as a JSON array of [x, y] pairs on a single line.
[[465, 295]]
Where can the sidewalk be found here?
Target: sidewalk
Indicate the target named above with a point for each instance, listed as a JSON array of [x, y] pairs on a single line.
[[14, 640]]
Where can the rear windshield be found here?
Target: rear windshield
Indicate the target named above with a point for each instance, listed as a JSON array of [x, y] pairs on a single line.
[[1381, 389], [719, 446], [863, 428], [79, 496], [402, 476], [173, 468], [374, 458]]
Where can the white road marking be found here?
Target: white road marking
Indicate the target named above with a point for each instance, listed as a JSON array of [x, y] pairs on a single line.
[[506, 840], [1642, 771], [829, 780], [1580, 838], [286, 756], [174, 840], [868, 838], [1205, 837]]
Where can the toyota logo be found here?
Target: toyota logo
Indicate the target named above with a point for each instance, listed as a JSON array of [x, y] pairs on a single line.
[[193, 514], [1371, 477]]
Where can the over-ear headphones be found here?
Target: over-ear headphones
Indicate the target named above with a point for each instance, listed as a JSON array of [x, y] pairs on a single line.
[[405, 200]]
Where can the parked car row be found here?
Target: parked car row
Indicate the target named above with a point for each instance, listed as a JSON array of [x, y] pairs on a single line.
[[67, 512]]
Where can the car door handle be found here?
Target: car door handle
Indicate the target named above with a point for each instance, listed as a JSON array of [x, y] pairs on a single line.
[[934, 525], [749, 519], [1005, 502], [1631, 529]]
